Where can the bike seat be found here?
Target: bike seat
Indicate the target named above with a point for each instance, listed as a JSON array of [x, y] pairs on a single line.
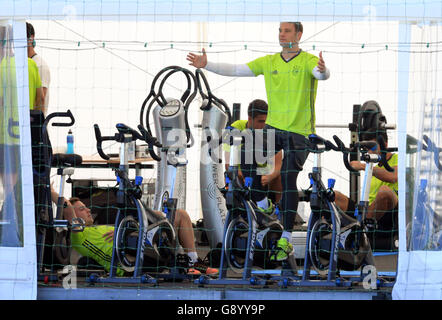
[[122, 128], [62, 160], [346, 218], [316, 140], [367, 145]]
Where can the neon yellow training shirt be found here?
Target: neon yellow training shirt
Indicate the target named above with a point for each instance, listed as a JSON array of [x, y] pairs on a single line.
[[238, 124], [241, 125], [377, 183], [291, 91], [9, 92], [34, 82], [90, 243]]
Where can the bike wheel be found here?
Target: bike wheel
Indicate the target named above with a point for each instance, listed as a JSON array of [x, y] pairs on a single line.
[[319, 246], [125, 250], [235, 244]]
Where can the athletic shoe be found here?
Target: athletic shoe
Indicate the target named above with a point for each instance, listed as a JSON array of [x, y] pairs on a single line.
[[193, 272], [183, 262], [269, 209], [282, 251], [203, 267], [371, 224]]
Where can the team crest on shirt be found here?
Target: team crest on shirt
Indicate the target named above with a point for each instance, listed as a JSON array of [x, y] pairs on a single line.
[[296, 69]]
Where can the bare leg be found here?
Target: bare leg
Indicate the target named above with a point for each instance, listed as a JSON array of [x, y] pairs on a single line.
[[386, 200], [275, 186], [341, 201], [184, 227]]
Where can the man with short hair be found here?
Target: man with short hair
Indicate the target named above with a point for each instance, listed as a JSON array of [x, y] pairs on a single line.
[[96, 241], [291, 78], [383, 198], [43, 68], [256, 118]]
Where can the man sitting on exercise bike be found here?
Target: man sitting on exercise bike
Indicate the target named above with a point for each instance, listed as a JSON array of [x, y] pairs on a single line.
[[383, 198], [96, 241], [257, 115]]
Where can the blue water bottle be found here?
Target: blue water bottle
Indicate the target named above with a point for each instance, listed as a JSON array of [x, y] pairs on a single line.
[[70, 140]]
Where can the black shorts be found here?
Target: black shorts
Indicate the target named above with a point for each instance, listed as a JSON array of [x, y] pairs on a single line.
[[389, 220]]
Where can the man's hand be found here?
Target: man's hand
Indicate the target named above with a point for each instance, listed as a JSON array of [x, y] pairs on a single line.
[[321, 63], [54, 194], [358, 165], [198, 61], [266, 179], [109, 236], [240, 176]]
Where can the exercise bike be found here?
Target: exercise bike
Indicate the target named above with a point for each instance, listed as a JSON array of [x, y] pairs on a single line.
[[173, 133], [335, 240], [170, 117], [53, 233], [139, 233], [250, 235]]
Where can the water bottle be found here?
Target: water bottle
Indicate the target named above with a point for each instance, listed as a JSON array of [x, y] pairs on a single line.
[[70, 141]]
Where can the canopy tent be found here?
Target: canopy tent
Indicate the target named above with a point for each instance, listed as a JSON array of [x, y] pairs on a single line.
[[222, 10], [417, 270]]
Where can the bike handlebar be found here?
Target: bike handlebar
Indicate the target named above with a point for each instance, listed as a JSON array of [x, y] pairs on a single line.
[[186, 99], [383, 162], [367, 145], [210, 96], [100, 139], [67, 114], [151, 141], [346, 151], [315, 140], [119, 137]]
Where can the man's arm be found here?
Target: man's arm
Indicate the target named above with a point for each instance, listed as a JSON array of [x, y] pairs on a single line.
[[278, 164], [384, 175], [321, 75], [224, 69], [39, 101], [68, 209], [45, 92], [380, 173], [229, 70], [321, 72], [227, 160], [45, 76], [276, 170]]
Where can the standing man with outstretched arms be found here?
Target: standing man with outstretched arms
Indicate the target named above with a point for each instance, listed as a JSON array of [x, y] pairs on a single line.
[[291, 79]]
